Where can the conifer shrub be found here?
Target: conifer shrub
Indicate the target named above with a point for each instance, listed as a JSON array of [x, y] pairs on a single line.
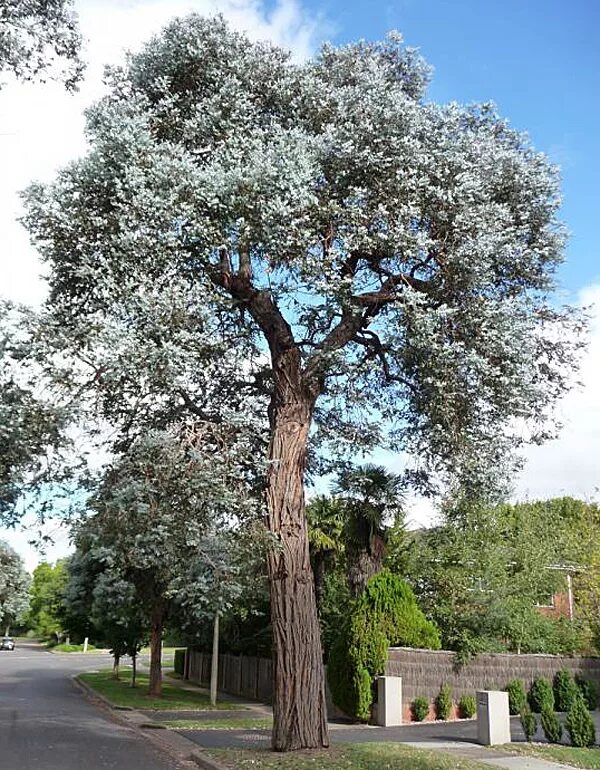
[[517, 696], [541, 695], [551, 726], [580, 725], [386, 614], [588, 691], [565, 690], [467, 706], [443, 702], [528, 721], [420, 708]]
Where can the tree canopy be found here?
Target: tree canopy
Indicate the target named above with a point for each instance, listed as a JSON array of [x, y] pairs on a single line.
[[14, 586], [38, 36]]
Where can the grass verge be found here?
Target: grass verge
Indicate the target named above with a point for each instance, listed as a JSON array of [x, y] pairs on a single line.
[[585, 758], [120, 693], [358, 756], [227, 723], [71, 648]]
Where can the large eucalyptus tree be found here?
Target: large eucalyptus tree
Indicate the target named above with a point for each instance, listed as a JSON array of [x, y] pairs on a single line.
[[390, 257]]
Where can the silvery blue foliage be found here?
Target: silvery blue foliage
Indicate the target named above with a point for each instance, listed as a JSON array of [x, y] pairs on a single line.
[[409, 247], [14, 585]]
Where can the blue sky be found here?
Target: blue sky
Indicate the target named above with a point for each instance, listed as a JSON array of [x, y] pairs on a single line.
[[538, 60]]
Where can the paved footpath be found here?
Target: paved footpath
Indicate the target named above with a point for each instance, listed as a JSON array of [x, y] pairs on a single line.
[[46, 723], [456, 738]]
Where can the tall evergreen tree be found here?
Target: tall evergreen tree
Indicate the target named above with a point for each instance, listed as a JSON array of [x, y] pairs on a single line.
[[390, 257]]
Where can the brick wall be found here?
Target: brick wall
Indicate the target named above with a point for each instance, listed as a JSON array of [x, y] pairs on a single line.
[[422, 671]]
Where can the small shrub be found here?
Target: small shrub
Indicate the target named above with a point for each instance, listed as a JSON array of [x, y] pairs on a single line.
[[565, 690], [467, 706], [541, 695], [551, 726], [443, 702], [588, 691], [528, 721], [516, 696], [580, 725], [420, 708], [179, 662]]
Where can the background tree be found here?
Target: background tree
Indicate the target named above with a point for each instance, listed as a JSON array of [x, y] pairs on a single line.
[[481, 574], [372, 497], [14, 586], [394, 255], [36, 35], [118, 617], [46, 603], [32, 425], [153, 508], [326, 516]]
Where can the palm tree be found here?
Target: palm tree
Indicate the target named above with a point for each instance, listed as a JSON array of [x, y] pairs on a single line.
[[371, 496], [325, 527]]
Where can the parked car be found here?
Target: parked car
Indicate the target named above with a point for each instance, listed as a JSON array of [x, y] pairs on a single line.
[[7, 643]]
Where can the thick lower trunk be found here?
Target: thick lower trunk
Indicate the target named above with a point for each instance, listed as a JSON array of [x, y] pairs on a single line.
[[299, 709], [7, 632], [133, 669], [156, 630], [115, 670]]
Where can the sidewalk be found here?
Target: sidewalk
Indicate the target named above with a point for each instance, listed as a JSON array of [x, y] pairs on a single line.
[[457, 739]]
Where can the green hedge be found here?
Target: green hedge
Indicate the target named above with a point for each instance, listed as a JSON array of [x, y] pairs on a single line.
[[179, 662], [386, 614]]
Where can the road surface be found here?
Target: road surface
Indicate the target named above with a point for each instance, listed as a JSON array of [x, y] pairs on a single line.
[[46, 723]]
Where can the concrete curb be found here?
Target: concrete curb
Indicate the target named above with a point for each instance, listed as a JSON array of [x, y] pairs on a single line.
[[170, 742], [96, 695]]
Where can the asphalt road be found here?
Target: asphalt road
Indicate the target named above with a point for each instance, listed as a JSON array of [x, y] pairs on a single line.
[[46, 723]]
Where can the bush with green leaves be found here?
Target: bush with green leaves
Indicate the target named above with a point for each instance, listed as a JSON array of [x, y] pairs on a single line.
[[528, 721], [565, 690], [420, 708], [551, 726], [517, 696], [179, 662], [541, 695], [467, 706], [580, 725], [443, 703], [588, 691], [386, 614]]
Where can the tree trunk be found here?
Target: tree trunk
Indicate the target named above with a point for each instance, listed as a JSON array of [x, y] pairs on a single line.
[[115, 671], [7, 632], [156, 652], [299, 709], [214, 664], [133, 669]]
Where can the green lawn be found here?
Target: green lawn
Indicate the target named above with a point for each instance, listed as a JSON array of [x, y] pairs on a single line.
[[358, 756], [586, 758], [71, 648], [119, 693], [227, 723]]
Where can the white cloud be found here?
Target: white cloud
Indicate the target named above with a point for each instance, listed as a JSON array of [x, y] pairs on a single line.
[[570, 465]]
